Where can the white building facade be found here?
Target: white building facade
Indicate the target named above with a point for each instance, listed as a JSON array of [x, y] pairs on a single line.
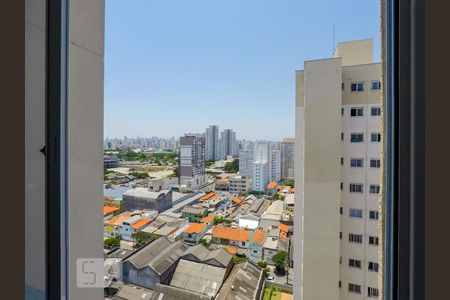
[[338, 151]]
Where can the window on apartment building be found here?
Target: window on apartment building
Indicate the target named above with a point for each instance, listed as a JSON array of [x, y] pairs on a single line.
[[357, 86], [374, 189], [356, 163], [357, 112], [373, 266], [372, 292], [373, 240], [373, 215], [341, 210], [354, 263], [375, 85], [342, 136], [375, 163], [340, 284], [356, 188], [342, 160], [354, 288], [342, 86], [340, 260], [342, 111], [355, 238], [375, 137], [342, 186], [340, 235], [375, 111], [357, 137], [355, 213]]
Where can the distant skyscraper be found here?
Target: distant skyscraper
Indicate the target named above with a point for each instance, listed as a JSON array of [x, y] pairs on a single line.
[[246, 160], [212, 143], [192, 157], [228, 143], [275, 165], [287, 147]]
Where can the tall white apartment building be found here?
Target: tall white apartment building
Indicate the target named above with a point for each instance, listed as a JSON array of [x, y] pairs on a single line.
[[261, 171], [246, 160], [275, 165], [287, 147], [338, 133], [212, 143]]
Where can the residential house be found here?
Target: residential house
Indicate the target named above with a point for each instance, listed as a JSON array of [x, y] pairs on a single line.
[[110, 211], [195, 232], [231, 236], [272, 188], [194, 214], [255, 248], [272, 246]]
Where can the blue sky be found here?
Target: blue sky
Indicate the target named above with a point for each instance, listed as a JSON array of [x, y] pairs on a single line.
[[176, 66]]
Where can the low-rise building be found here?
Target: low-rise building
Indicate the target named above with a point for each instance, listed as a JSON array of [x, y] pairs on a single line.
[[245, 282], [194, 214], [163, 292], [272, 215], [239, 184], [110, 161], [222, 184], [167, 226], [195, 232], [272, 188], [231, 236], [255, 248], [289, 201], [143, 198], [153, 263], [201, 270], [272, 246], [110, 211]]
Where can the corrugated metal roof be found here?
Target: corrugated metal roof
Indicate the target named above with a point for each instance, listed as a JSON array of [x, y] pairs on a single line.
[[198, 277], [133, 292], [242, 283], [158, 255], [166, 292]]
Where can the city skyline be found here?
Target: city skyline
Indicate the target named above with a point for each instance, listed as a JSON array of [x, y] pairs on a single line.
[[159, 55]]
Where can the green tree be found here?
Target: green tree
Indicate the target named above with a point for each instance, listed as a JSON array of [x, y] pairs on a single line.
[[139, 175], [112, 242], [218, 219], [280, 258], [262, 264], [232, 167]]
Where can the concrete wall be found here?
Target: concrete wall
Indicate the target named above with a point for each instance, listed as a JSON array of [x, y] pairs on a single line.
[[35, 47], [85, 136], [321, 182]]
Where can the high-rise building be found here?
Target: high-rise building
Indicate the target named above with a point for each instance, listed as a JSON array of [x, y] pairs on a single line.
[[338, 132], [287, 147], [246, 160], [228, 143], [275, 165], [192, 157], [212, 143]]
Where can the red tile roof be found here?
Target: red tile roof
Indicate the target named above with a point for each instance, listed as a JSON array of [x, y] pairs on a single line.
[[195, 228], [272, 185], [141, 223], [259, 237], [228, 233], [207, 219], [109, 209]]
